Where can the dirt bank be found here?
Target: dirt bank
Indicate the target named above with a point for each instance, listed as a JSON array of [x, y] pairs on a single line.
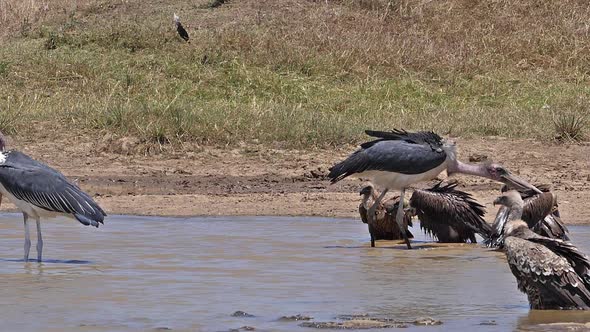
[[127, 178]]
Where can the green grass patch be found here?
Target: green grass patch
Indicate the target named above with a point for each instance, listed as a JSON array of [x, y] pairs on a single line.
[[111, 69]]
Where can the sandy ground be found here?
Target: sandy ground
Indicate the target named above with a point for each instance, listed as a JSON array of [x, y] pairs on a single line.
[[128, 178]]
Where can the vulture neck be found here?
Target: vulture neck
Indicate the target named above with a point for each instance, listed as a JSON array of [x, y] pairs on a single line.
[[515, 212], [366, 197], [514, 218], [366, 200]]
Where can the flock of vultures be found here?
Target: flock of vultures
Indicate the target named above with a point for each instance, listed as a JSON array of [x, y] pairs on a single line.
[[552, 272]]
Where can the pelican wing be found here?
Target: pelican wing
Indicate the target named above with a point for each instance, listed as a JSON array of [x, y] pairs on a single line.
[[38, 184]]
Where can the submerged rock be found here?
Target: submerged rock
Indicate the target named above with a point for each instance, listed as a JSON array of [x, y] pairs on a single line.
[[353, 316], [488, 322], [243, 328], [295, 318], [356, 324], [240, 313], [426, 321]]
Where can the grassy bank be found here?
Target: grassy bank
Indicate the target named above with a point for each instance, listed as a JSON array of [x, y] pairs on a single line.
[[295, 71]]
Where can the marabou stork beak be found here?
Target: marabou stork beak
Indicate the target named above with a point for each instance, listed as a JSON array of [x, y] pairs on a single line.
[[518, 183]]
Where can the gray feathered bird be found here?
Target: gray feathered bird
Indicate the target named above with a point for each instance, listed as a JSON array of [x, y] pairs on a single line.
[[397, 159], [40, 191], [553, 273]]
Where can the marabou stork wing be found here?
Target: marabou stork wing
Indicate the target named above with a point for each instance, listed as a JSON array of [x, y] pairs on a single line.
[[551, 275], [445, 205], [390, 156], [419, 137], [44, 187]]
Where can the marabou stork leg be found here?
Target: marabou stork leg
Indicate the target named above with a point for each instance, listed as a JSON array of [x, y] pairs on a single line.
[[399, 218], [39, 241], [371, 230], [27, 237], [372, 218]]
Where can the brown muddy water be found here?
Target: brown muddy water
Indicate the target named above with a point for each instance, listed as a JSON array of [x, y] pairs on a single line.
[[191, 274]]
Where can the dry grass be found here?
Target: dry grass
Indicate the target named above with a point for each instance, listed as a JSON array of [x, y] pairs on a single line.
[[571, 120], [296, 71]]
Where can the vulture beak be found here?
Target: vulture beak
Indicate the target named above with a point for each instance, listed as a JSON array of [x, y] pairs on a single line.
[[518, 183], [496, 201], [410, 211]]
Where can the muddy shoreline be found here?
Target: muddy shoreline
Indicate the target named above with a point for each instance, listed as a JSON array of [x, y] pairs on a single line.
[[127, 177]]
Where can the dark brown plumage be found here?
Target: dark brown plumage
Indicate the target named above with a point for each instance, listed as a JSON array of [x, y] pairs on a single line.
[[384, 227], [449, 215], [553, 273], [540, 212]]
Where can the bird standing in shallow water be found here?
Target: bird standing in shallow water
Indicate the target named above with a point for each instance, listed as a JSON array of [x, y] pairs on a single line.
[[540, 212], [448, 214], [41, 191], [180, 29], [553, 273], [397, 159], [383, 226]]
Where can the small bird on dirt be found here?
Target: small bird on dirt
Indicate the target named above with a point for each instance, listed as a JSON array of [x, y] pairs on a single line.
[[181, 31]]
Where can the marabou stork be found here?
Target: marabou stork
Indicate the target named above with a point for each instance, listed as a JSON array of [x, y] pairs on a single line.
[[181, 31], [397, 159], [448, 214], [553, 273], [540, 212], [41, 191], [383, 226]]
